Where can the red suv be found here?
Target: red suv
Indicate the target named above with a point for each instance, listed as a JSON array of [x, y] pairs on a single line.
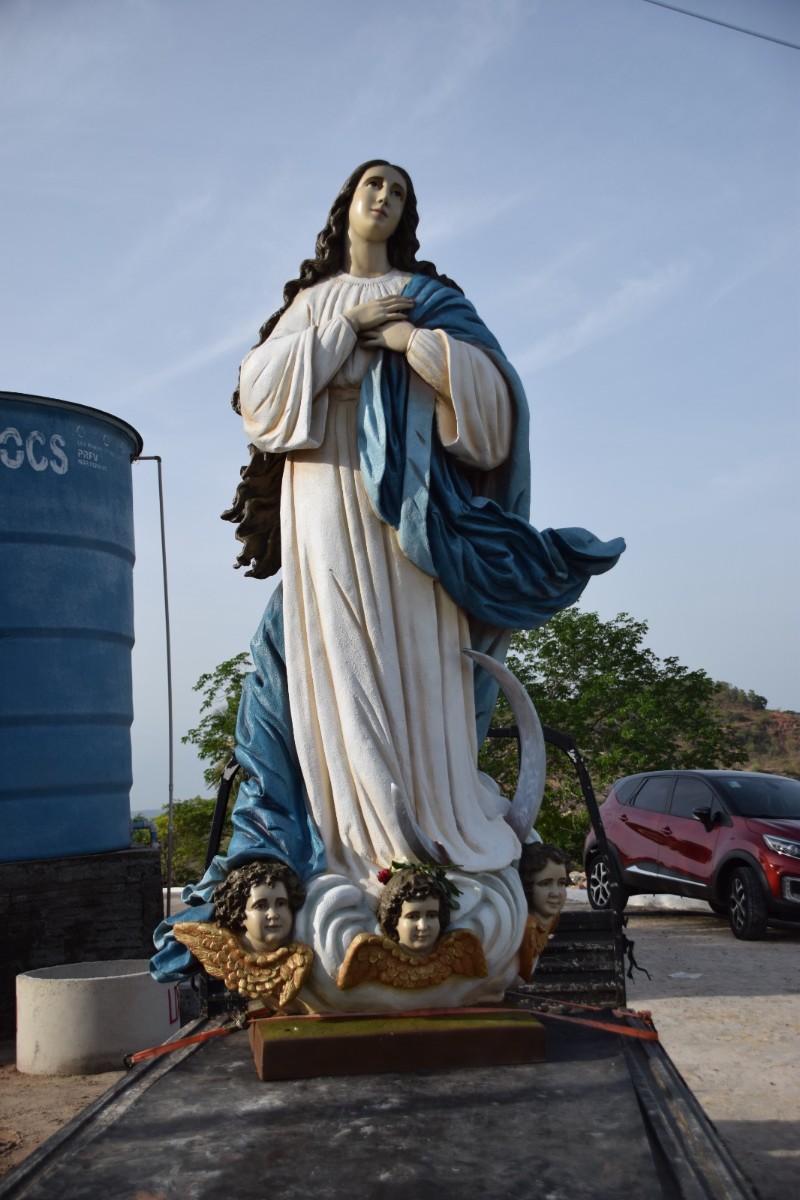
[[731, 838]]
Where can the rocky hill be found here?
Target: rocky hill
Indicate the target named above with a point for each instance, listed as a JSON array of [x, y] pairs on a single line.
[[769, 736]]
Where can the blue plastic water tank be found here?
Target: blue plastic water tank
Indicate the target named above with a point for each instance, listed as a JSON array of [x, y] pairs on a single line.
[[66, 628]]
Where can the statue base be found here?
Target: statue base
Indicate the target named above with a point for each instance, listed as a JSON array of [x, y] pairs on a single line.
[[305, 1047]]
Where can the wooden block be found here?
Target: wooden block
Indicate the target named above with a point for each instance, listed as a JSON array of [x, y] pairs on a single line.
[[349, 1044]]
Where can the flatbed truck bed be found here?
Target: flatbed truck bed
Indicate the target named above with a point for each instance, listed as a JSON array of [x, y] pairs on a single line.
[[605, 1116]]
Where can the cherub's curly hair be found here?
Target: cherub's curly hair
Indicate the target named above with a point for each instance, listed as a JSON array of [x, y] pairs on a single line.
[[231, 896], [535, 857], [256, 505], [410, 885]]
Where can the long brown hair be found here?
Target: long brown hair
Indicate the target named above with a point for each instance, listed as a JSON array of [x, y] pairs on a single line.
[[256, 505]]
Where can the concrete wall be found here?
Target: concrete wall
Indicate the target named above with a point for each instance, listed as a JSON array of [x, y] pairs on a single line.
[[67, 910]]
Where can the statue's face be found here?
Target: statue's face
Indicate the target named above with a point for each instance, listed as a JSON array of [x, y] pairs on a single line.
[[377, 204], [419, 925], [267, 917], [550, 890]]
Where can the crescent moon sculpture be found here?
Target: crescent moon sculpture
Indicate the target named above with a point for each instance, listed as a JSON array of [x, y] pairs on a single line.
[[527, 801], [419, 843]]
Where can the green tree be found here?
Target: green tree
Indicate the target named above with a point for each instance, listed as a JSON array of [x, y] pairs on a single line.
[[627, 710], [215, 736], [191, 825], [738, 698]]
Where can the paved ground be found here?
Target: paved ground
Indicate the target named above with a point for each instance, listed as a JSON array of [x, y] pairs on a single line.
[[728, 1013]]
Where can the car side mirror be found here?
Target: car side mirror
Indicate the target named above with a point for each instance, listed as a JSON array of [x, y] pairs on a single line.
[[705, 816]]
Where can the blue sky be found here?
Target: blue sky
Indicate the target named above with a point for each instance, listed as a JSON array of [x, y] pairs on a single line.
[[615, 186]]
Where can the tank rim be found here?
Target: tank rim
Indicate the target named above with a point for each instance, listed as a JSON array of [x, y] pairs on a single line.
[[53, 402]]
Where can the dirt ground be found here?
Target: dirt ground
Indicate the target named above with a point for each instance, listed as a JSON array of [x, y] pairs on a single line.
[[728, 1013], [33, 1107]]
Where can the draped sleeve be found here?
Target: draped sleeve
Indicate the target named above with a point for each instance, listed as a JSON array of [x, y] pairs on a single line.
[[283, 385], [474, 411]]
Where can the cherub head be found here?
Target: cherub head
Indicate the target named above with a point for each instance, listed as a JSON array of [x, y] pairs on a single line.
[[414, 910], [258, 902], [543, 871]]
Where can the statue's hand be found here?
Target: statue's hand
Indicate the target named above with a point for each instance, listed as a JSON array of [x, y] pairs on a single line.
[[377, 312], [392, 336]]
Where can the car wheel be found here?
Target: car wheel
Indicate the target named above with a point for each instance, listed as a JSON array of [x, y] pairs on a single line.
[[599, 884], [747, 910]]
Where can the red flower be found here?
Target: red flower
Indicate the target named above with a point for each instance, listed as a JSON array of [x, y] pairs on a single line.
[[385, 875]]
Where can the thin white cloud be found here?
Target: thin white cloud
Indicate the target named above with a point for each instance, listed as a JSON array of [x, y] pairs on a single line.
[[158, 237], [631, 301], [439, 58], [780, 245], [554, 288], [64, 64], [735, 498], [480, 33], [445, 220], [744, 479], [235, 339]]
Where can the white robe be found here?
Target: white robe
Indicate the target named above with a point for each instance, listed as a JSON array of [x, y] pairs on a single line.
[[380, 693]]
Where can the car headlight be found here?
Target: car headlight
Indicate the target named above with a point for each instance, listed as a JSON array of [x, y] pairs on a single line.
[[782, 845]]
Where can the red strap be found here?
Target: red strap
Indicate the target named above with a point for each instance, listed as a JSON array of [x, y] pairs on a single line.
[[155, 1051], [168, 1047], [647, 1035]]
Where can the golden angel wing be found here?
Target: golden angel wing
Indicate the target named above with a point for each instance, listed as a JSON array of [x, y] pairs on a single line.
[[464, 952], [294, 970], [534, 941], [278, 973], [364, 961], [372, 958], [210, 944]]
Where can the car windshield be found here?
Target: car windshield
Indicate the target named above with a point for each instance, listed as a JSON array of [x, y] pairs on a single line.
[[761, 796]]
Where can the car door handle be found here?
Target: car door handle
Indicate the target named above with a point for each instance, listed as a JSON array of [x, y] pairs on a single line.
[[624, 818], [666, 829]]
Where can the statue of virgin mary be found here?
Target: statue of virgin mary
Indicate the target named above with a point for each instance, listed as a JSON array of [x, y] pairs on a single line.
[[390, 483]]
